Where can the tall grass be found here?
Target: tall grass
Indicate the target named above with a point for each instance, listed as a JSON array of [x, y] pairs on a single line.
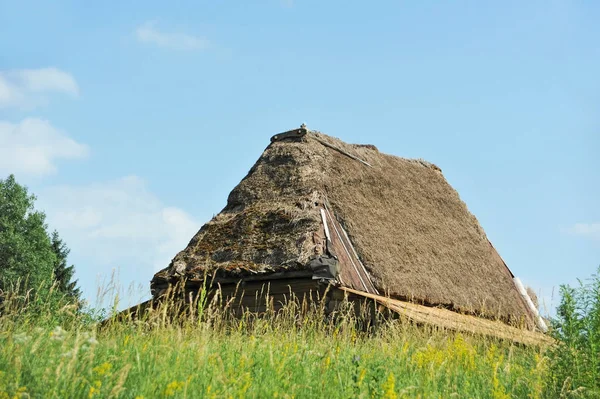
[[575, 359], [207, 353]]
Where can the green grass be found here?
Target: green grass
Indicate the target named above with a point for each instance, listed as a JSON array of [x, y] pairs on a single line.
[[210, 355], [575, 359]]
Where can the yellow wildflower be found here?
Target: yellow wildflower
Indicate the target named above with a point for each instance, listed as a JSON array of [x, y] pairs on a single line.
[[21, 393], [102, 369], [361, 376], [173, 387], [497, 387], [93, 391], [491, 354], [389, 387], [429, 357], [462, 352], [405, 347]]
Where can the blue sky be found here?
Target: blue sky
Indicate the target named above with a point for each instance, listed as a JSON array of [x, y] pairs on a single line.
[[131, 122]]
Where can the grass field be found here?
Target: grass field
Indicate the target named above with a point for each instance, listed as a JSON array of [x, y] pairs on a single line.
[[280, 356]]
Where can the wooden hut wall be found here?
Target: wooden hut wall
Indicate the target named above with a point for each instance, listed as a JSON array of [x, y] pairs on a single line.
[[260, 296]]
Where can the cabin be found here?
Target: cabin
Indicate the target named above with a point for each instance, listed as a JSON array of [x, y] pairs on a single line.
[[316, 218]]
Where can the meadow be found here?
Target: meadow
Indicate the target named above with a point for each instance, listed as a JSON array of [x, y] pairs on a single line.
[[52, 349], [55, 353]]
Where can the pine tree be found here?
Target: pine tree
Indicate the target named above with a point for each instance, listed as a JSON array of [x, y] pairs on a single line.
[[63, 274], [30, 258]]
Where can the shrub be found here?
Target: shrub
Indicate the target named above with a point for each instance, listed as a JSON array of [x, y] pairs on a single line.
[[575, 359]]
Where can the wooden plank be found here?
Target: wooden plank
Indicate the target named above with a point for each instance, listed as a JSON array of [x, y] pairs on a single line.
[[353, 273], [260, 299], [253, 292], [290, 134], [258, 277]]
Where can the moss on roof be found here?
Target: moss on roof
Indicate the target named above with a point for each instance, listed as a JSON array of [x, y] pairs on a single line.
[[411, 230]]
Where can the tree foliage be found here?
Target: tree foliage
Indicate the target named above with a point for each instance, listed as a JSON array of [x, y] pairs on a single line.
[[63, 272], [25, 250], [30, 257]]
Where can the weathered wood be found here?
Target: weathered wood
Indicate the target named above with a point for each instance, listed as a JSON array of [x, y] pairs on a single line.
[[352, 272], [258, 277], [254, 296], [325, 225], [290, 134]]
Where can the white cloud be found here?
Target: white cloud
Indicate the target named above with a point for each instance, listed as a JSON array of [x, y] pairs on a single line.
[[118, 223], [148, 33], [591, 230], [48, 79], [29, 87], [33, 146], [10, 94]]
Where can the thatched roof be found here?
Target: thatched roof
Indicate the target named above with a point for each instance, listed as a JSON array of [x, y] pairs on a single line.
[[408, 227]]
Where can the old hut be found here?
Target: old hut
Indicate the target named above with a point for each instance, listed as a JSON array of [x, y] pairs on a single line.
[[315, 211]]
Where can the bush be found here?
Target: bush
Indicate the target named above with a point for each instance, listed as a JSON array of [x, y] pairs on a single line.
[[30, 256], [575, 359]]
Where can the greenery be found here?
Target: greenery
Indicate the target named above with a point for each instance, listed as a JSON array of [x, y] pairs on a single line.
[[33, 263], [59, 352], [208, 354], [576, 357], [25, 249], [63, 273], [30, 257]]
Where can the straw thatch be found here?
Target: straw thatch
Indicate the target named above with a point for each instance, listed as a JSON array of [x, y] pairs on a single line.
[[408, 226]]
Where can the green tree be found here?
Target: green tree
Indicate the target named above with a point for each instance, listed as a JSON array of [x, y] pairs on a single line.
[[29, 256], [26, 253], [63, 273]]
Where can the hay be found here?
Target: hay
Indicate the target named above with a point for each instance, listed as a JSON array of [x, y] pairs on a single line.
[[448, 320], [415, 236]]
